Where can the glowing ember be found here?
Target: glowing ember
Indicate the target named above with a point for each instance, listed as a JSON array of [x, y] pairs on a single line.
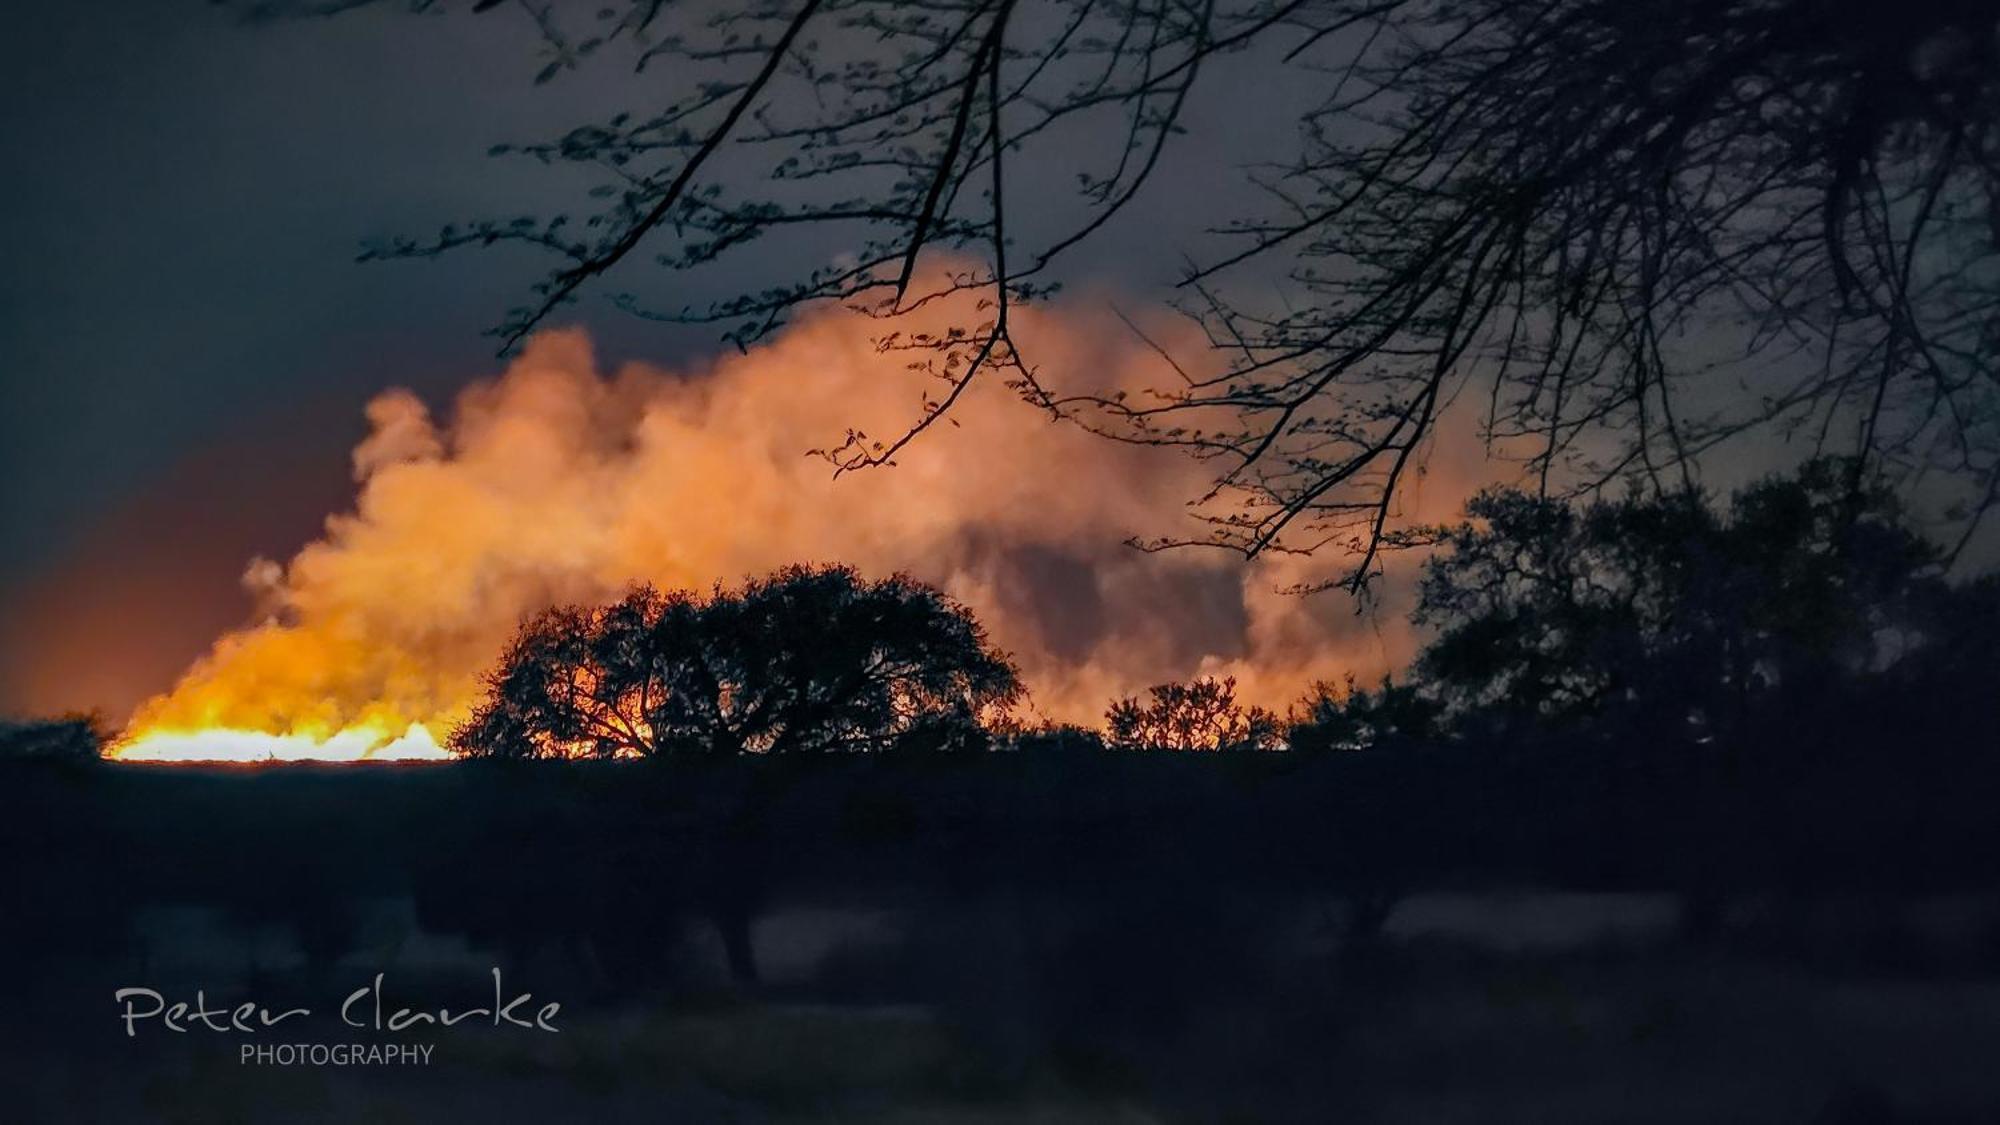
[[354, 744]]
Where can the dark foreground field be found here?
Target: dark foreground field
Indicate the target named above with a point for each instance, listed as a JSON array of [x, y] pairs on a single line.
[[1001, 937]]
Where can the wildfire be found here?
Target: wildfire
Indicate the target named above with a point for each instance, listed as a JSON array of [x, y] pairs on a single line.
[[224, 744], [557, 482]]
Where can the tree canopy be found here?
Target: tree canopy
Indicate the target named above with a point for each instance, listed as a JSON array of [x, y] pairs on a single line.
[[1671, 606], [1351, 717], [809, 659]]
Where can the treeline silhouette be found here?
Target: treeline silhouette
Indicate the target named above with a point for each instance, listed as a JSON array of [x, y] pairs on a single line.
[[1781, 700], [1660, 620]]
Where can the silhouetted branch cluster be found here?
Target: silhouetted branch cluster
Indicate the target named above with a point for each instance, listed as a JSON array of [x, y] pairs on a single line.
[[1636, 230], [1632, 230]]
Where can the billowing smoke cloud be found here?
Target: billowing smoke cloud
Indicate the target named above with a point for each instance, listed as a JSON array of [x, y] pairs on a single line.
[[558, 481]]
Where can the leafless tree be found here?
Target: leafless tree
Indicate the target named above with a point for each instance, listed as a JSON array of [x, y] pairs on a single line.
[[1625, 231]]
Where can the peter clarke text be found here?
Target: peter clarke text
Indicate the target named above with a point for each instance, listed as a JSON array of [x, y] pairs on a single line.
[[365, 1007]]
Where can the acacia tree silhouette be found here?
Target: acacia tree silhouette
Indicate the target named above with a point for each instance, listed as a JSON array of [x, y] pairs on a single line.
[[806, 660], [1632, 228]]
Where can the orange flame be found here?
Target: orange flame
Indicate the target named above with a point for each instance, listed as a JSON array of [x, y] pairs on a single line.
[[223, 744]]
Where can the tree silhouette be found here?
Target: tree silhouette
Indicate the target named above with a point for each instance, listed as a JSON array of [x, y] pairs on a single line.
[[70, 738], [1200, 714], [1665, 606], [805, 660], [1351, 717], [1585, 212], [1960, 655]]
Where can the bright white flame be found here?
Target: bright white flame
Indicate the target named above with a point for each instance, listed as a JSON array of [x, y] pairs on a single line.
[[354, 744]]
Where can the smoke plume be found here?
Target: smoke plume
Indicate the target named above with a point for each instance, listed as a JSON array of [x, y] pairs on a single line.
[[558, 481]]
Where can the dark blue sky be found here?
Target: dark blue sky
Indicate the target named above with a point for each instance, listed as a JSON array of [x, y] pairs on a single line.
[[187, 199]]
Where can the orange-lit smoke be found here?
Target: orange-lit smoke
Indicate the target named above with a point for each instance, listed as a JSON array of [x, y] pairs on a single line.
[[559, 482]]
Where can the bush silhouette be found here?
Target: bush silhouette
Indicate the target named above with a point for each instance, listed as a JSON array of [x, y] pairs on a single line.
[[1200, 714]]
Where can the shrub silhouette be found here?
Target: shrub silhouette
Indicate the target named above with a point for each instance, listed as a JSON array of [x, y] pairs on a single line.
[[1200, 714]]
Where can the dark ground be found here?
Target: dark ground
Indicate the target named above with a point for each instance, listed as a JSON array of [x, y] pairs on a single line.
[[979, 938]]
